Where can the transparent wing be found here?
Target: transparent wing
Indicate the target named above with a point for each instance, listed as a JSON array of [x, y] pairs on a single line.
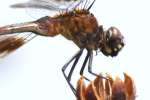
[[50, 4], [40, 8], [11, 42]]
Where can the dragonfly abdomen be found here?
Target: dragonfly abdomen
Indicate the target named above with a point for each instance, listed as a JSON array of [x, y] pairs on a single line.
[[48, 26]]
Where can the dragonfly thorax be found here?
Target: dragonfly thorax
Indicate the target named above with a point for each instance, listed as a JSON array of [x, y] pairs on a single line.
[[81, 27]]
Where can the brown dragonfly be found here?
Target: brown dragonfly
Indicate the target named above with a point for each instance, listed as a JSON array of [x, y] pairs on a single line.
[[75, 22]]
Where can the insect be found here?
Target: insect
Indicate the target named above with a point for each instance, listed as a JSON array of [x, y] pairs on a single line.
[[75, 23]]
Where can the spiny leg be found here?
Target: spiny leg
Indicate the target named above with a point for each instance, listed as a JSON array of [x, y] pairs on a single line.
[[68, 78], [89, 59], [90, 64], [66, 65], [84, 64], [73, 66], [90, 67]]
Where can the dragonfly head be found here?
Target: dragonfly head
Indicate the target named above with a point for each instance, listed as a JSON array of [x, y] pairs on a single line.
[[112, 42]]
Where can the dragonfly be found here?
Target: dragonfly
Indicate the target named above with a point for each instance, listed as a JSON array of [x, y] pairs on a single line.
[[75, 22]]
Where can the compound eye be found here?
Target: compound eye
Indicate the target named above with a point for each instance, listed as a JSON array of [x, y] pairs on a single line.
[[114, 41], [115, 33], [109, 34]]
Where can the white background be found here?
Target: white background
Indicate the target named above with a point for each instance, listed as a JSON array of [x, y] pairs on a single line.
[[33, 72]]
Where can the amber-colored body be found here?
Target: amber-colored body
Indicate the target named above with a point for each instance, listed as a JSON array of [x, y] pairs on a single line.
[[79, 26]]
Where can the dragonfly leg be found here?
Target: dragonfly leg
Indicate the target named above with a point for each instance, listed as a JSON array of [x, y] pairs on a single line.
[[89, 59], [90, 67], [84, 64], [68, 78], [90, 64]]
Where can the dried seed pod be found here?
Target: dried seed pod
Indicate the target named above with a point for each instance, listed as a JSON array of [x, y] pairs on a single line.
[[106, 89]]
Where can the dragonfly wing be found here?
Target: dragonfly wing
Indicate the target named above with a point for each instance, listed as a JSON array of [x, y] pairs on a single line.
[[9, 43], [40, 8], [50, 4]]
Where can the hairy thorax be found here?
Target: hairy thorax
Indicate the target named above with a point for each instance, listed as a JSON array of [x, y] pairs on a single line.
[[80, 26]]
